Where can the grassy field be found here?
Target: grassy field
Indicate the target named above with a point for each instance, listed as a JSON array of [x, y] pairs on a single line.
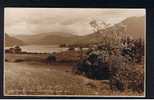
[[38, 79], [31, 78], [67, 56]]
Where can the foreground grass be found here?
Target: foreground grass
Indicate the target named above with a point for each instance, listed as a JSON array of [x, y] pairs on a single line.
[[29, 78]]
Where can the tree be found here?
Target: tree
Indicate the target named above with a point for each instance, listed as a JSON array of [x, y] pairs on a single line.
[[98, 26], [95, 25]]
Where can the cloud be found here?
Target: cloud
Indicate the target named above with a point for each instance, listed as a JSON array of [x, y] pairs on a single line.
[[72, 20]]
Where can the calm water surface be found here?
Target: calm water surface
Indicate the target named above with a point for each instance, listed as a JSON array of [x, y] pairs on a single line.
[[42, 48]]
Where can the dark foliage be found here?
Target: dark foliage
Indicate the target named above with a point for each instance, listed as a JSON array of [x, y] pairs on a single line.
[[95, 66], [122, 65], [51, 58]]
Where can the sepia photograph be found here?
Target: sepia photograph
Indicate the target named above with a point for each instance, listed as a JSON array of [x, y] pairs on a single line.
[[74, 52]]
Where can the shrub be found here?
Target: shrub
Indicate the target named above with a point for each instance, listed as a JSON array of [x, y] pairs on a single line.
[[126, 75], [51, 58], [94, 66], [118, 64], [134, 51], [6, 60], [71, 48], [62, 45], [19, 60]]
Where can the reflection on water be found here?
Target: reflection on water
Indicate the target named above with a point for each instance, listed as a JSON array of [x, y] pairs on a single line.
[[42, 48]]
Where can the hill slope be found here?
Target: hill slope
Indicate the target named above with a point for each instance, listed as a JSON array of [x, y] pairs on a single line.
[[11, 41], [135, 26]]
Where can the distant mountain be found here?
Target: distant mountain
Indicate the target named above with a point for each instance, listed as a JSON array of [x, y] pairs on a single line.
[[48, 38], [11, 41], [135, 28]]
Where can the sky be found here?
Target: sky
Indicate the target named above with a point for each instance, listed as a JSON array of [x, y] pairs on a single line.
[[30, 21]]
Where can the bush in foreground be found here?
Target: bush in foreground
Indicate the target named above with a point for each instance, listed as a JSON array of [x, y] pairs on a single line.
[[94, 66], [123, 74], [126, 76]]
